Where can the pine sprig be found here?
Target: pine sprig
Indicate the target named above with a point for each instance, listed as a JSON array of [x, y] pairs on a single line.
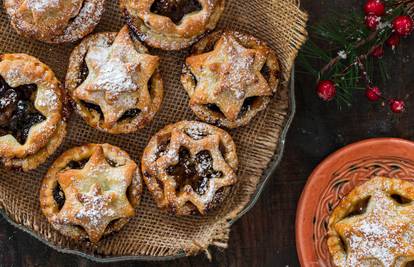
[[347, 45]]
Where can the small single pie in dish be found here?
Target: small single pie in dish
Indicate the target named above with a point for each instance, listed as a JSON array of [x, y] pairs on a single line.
[[172, 24], [230, 77], [91, 191], [54, 21], [373, 225], [190, 167], [33, 112], [114, 83]]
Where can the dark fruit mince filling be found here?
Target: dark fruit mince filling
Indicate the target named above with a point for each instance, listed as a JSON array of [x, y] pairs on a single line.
[[17, 112], [93, 107], [400, 199], [247, 105], [360, 207], [130, 114], [84, 72], [175, 9], [265, 71], [111, 162], [195, 172], [59, 196], [77, 165]]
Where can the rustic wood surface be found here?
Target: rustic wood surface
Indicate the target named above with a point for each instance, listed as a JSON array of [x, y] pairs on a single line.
[[265, 236]]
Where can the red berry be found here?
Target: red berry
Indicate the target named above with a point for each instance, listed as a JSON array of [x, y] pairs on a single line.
[[326, 90], [397, 106], [378, 52], [403, 25], [372, 22], [373, 93], [374, 7], [393, 40]]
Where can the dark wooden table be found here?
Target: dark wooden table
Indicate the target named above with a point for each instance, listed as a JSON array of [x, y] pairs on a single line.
[[266, 235]]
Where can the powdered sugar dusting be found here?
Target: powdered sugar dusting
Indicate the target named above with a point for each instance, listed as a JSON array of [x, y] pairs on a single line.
[[238, 69], [47, 98], [95, 208], [114, 75], [380, 237], [114, 78], [196, 132], [204, 164], [42, 5]]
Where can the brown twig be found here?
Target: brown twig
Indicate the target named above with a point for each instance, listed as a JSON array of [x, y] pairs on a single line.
[[360, 58], [335, 60]]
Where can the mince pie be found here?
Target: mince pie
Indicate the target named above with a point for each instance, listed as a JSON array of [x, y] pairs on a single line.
[[114, 83], [91, 191], [373, 225], [190, 166], [54, 21], [230, 77], [32, 112], [172, 24]]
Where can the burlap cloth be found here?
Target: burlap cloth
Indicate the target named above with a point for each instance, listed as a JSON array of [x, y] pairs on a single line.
[[151, 232]]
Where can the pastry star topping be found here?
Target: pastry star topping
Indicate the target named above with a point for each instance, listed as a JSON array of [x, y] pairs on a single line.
[[228, 75], [187, 193], [96, 194], [376, 234], [383, 234], [50, 14], [118, 78]]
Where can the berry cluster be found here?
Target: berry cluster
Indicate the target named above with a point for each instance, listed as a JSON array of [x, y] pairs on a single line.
[[402, 26]]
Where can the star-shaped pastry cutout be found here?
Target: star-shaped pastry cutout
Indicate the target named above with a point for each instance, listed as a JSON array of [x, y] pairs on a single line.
[[50, 14], [118, 78], [96, 194], [171, 157], [383, 233], [228, 75]]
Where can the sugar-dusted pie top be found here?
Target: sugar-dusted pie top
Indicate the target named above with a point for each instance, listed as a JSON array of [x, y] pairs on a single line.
[[48, 17], [99, 188], [118, 78], [96, 194], [195, 163], [228, 75], [54, 21], [380, 234]]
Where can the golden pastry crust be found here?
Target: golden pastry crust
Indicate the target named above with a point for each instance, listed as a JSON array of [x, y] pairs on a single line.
[[190, 166], [91, 191], [52, 21], [230, 77], [33, 105], [373, 225], [122, 82], [159, 25]]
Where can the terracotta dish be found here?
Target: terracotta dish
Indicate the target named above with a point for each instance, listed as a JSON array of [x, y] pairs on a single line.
[[334, 178]]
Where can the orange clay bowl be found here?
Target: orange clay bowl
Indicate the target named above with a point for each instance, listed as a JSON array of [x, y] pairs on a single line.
[[334, 178]]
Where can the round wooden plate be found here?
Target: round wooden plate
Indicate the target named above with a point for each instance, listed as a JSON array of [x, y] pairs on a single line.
[[334, 178]]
